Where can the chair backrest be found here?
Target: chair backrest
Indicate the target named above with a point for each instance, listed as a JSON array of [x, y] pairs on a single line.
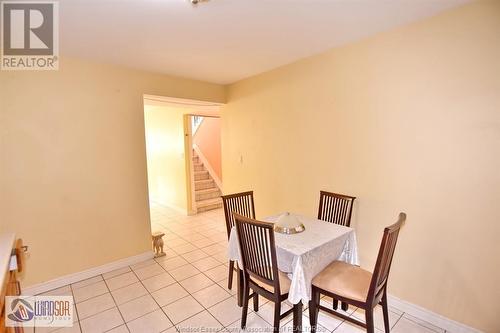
[[258, 250], [384, 259], [335, 208], [240, 203]]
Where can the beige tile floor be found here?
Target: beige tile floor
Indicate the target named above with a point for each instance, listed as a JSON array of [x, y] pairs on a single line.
[[187, 289]]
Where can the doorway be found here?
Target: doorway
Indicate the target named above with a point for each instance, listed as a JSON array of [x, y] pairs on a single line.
[[183, 156]]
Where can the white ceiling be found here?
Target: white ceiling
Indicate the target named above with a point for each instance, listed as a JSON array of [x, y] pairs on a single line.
[[223, 41]]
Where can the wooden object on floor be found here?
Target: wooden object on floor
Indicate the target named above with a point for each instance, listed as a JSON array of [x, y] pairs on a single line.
[[243, 204], [260, 271], [158, 243], [11, 262], [356, 286]]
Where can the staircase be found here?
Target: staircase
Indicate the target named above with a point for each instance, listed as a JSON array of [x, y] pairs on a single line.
[[207, 193]]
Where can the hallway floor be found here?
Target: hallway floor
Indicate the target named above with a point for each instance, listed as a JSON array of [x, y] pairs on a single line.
[[187, 290]]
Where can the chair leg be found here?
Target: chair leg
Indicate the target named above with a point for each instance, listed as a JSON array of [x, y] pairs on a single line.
[[385, 310], [335, 304], [314, 310], [255, 302], [277, 314], [239, 281], [297, 317], [244, 309], [370, 328], [231, 272], [344, 306]]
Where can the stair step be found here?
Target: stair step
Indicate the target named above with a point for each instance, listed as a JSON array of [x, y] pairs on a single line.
[[199, 167], [204, 205], [208, 202], [210, 193], [201, 175], [208, 190], [204, 184]]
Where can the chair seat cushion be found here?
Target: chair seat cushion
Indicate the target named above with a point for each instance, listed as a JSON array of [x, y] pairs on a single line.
[[284, 284], [344, 280]]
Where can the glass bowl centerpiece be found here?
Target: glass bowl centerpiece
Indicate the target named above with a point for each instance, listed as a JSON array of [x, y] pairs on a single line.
[[288, 224]]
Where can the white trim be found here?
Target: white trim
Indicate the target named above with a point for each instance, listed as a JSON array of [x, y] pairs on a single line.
[[178, 209], [190, 186], [207, 165], [406, 307], [183, 102], [88, 273], [431, 317]]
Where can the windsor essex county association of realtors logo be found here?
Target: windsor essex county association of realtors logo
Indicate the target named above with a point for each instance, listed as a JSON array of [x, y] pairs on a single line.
[[29, 35], [38, 311]]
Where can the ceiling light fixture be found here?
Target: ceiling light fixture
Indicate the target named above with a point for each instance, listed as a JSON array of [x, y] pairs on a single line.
[[195, 2]]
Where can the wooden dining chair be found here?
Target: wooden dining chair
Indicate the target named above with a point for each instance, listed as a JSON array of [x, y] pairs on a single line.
[[356, 286], [260, 270], [336, 208], [241, 203]]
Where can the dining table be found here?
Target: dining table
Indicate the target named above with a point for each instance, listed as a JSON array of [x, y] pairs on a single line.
[[303, 255]]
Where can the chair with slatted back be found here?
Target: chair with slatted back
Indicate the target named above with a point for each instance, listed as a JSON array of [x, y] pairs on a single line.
[[335, 208], [240, 203], [260, 270], [356, 286]]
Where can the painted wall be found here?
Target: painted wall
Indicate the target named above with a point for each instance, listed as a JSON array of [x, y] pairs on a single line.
[[208, 139], [408, 120], [73, 162], [165, 155]]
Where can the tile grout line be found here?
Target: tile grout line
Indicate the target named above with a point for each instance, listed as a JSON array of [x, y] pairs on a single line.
[[75, 307], [215, 282], [180, 225], [189, 294], [116, 305], [203, 307], [154, 299], [231, 296]]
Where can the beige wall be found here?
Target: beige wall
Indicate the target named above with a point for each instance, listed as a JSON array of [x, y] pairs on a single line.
[[207, 138], [73, 162], [408, 120], [165, 155]]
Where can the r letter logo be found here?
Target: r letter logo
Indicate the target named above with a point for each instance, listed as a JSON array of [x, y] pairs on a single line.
[[29, 35]]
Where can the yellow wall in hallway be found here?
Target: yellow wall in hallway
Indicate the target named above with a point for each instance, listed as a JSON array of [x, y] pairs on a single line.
[[408, 120], [166, 158], [73, 162]]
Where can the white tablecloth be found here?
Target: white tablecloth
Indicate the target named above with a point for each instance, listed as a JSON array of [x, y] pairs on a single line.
[[306, 254]]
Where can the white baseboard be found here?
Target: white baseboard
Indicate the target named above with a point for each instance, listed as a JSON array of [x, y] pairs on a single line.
[[75, 277], [429, 316], [173, 207], [177, 209], [404, 306]]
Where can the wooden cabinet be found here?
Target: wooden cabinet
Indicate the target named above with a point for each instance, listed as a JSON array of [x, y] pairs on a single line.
[[12, 262]]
